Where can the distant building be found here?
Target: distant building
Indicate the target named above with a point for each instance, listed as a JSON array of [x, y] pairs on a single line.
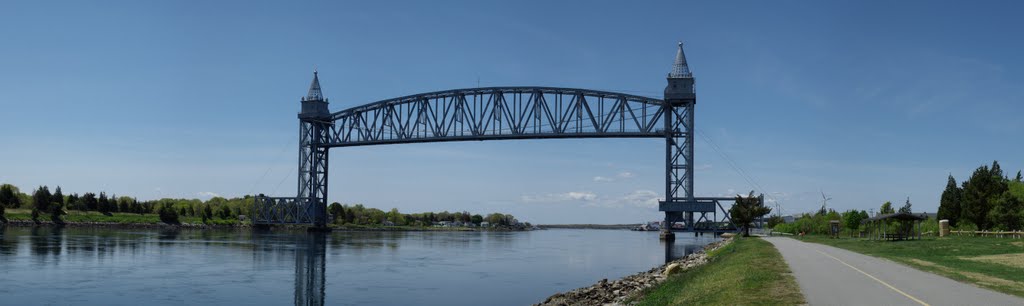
[[485, 224]]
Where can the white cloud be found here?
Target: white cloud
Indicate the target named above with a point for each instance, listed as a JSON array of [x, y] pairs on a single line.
[[641, 198], [585, 196], [603, 179], [207, 194], [626, 174]]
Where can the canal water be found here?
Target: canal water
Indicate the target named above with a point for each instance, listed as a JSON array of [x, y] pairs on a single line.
[[97, 266]]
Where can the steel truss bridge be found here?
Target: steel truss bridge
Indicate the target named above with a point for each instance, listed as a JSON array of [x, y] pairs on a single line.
[[501, 113]]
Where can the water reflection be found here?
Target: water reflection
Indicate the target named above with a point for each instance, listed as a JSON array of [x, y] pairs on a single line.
[[8, 243], [674, 251], [309, 251], [310, 259]]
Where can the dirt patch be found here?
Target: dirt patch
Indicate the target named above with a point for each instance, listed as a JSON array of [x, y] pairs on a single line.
[[1017, 243], [1015, 260], [927, 263], [990, 280], [979, 278]]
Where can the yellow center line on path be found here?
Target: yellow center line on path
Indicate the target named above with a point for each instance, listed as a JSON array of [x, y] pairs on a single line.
[[874, 278]]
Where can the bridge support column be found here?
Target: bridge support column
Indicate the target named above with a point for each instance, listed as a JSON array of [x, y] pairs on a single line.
[[312, 193]]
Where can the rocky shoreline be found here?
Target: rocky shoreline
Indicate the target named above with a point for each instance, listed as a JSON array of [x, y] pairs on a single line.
[[616, 292]]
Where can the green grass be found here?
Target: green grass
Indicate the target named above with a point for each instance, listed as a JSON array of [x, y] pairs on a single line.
[[1000, 266], [749, 271], [122, 218]]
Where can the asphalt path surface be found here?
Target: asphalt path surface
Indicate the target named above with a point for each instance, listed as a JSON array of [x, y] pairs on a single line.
[[833, 276]]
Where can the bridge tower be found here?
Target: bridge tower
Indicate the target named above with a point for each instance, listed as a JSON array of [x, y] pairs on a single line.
[[680, 98], [314, 131]]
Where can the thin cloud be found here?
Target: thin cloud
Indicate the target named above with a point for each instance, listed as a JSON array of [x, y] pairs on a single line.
[[584, 196], [603, 179], [207, 194]]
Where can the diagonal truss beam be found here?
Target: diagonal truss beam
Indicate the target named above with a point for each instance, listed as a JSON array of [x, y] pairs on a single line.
[[498, 113]]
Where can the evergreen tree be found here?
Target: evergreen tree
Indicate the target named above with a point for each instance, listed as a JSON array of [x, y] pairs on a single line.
[[207, 212], [9, 196], [167, 213], [90, 202], [103, 204], [58, 197], [1006, 212], [73, 202], [746, 210], [949, 203], [980, 193], [112, 205], [1018, 178], [906, 207], [41, 202]]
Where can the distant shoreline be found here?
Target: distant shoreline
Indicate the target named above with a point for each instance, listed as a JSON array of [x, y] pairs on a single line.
[[340, 228], [589, 226]]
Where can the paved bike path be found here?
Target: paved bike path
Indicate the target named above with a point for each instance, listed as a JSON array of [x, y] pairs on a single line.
[[833, 276]]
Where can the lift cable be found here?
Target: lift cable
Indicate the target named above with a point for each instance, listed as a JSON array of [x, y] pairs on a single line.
[[732, 164]]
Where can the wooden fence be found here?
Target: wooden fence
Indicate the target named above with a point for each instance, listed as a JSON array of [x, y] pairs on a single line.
[[1010, 234]]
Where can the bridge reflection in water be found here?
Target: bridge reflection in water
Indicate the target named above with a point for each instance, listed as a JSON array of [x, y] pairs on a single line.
[[310, 253], [674, 251]]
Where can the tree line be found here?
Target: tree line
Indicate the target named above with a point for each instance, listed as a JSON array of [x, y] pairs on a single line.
[[988, 200], [818, 223], [53, 205], [45, 204], [360, 215]]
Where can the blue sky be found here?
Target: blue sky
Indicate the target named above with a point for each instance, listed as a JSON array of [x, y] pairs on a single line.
[[868, 101]]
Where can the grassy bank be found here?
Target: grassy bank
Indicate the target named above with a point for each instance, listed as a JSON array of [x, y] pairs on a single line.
[[746, 272], [995, 263]]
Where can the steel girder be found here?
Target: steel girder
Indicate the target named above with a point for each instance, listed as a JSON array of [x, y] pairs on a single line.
[[281, 210], [498, 113], [313, 158]]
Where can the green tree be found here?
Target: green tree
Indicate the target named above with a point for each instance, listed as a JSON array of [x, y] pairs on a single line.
[[89, 201], [337, 211], [949, 203], [167, 213], [980, 193], [41, 202], [886, 208], [58, 197], [477, 219], [1018, 178], [746, 210], [775, 220], [395, 217], [9, 196], [852, 219], [1008, 209], [906, 207], [103, 204], [74, 202], [225, 212]]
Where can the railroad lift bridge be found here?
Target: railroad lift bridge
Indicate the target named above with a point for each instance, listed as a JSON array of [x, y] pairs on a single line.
[[504, 113]]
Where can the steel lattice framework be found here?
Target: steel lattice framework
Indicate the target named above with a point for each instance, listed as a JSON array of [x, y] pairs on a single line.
[[496, 113]]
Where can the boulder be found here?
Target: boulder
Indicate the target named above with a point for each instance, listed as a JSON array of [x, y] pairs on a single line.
[[672, 269]]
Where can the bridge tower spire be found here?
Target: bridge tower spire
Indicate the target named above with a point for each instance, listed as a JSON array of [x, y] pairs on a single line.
[[680, 98]]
